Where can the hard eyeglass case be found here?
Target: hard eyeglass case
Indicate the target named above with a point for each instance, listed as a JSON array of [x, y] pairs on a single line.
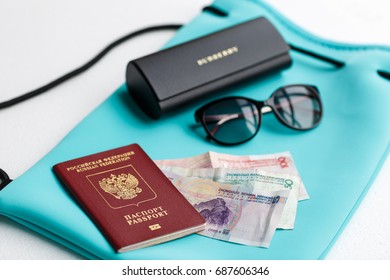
[[172, 77]]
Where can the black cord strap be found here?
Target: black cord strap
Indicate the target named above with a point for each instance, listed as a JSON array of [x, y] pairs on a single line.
[[4, 179], [100, 55], [215, 11], [384, 74], [86, 66], [324, 58], [219, 12]]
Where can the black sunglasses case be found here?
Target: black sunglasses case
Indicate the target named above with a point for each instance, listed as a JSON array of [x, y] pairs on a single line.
[[175, 76]]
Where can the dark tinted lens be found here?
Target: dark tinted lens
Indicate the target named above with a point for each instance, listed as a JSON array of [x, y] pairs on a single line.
[[232, 121], [298, 106]]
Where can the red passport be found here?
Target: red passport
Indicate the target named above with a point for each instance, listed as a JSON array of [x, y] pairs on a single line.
[[129, 199]]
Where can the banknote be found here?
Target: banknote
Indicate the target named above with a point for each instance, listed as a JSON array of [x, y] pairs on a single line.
[[234, 212], [278, 162], [250, 179], [199, 161]]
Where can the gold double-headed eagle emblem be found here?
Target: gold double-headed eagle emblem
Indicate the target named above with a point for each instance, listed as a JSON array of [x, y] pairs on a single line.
[[123, 186]]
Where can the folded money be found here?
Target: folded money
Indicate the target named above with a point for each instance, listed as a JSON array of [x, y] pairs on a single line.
[[278, 162], [239, 213], [248, 179]]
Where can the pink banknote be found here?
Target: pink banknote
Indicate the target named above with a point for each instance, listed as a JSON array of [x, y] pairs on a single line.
[[278, 162]]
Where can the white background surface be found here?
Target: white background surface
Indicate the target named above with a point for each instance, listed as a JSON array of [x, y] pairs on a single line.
[[41, 40]]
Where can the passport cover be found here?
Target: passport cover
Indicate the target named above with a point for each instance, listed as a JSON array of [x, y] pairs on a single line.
[[129, 199]]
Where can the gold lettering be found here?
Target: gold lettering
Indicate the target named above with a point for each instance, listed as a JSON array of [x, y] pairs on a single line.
[[155, 227], [145, 215], [218, 55], [127, 217], [101, 162], [162, 214]]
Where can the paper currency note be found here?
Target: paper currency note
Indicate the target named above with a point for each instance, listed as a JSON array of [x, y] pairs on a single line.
[[278, 162], [251, 179], [199, 161], [234, 213]]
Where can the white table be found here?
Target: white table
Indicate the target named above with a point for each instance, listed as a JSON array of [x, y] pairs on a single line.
[[41, 40]]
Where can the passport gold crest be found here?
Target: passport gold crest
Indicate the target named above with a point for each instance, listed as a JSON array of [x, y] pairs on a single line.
[[123, 186]]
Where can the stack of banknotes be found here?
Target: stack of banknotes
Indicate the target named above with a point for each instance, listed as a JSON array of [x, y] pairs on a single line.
[[244, 199]]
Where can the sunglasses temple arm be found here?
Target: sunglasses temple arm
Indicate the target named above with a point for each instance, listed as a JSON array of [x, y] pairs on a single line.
[[221, 119], [280, 105], [292, 115], [293, 119], [337, 63]]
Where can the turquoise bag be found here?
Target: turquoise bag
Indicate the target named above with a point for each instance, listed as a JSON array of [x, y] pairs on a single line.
[[338, 161]]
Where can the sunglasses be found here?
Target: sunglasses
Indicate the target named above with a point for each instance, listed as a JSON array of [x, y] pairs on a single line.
[[235, 120]]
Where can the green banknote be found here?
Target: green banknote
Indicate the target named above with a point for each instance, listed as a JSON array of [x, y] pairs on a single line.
[[278, 162]]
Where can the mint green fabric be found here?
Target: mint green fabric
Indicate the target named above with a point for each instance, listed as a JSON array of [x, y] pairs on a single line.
[[337, 161]]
